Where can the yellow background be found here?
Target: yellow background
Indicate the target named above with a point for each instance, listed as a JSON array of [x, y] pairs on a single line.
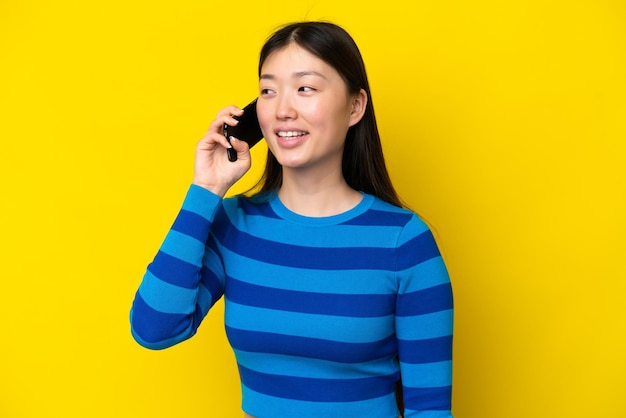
[[503, 124]]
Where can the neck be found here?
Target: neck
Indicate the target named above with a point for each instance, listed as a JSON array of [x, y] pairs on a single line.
[[317, 196]]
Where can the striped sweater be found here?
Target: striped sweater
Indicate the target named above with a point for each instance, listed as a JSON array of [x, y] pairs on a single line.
[[324, 314]]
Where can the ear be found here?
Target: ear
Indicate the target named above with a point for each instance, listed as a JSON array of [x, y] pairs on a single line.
[[359, 104]]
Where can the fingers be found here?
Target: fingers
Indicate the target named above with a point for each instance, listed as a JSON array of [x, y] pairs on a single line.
[[225, 115], [215, 133], [214, 140], [229, 111], [239, 145], [210, 140], [213, 170], [238, 148]]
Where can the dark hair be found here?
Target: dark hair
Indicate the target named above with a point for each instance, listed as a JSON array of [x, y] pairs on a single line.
[[363, 164]]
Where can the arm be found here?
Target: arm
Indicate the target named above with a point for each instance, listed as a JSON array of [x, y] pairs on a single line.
[[183, 281], [424, 322], [186, 276]]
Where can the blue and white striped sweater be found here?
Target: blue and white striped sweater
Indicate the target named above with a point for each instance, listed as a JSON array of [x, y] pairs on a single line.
[[323, 314]]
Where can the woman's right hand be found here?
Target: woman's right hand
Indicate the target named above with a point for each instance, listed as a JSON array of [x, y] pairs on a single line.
[[212, 169]]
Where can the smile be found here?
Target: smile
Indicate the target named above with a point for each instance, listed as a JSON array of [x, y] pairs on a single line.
[[290, 134]]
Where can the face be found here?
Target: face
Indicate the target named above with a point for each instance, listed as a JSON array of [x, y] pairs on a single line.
[[305, 110]]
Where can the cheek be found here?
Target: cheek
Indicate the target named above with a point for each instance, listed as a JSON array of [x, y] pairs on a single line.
[[326, 116], [262, 115]]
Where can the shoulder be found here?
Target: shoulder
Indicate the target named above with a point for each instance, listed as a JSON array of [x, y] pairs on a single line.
[[385, 213], [413, 236], [241, 206]]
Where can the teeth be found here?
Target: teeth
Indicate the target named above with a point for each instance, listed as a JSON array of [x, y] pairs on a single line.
[[290, 134]]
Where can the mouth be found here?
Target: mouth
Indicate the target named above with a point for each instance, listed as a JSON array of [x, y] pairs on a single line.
[[290, 134]]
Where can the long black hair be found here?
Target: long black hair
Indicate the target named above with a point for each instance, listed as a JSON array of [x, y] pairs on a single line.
[[363, 163]]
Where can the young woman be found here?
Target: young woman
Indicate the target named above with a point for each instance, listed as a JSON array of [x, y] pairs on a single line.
[[333, 292]]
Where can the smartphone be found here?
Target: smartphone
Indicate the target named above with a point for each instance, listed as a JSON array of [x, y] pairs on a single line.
[[248, 129]]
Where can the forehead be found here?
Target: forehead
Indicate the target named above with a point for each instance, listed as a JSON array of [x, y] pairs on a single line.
[[294, 59]]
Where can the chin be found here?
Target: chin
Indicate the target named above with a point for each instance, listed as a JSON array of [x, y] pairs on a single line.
[[291, 164], [290, 161]]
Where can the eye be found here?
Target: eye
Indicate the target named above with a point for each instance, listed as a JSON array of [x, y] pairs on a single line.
[[306, 89], [266, 92]]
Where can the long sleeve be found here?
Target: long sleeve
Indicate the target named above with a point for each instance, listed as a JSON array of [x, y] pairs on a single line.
[[424, 324], [185, 278], [317, 310]]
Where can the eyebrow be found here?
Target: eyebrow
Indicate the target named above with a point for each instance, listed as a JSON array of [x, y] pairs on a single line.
[[298, 74]]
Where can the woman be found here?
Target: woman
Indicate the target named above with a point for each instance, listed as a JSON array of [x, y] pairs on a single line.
[[332, 290]]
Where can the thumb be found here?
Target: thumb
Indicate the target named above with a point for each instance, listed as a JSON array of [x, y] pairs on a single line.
[[239, 145]]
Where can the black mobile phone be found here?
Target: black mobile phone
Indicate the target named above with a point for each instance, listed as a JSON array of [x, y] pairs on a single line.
[[248, 129]]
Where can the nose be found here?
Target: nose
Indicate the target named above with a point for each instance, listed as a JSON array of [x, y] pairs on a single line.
[[285, 109]]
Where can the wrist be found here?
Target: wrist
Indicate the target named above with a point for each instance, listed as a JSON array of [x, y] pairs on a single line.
[[213, 188]]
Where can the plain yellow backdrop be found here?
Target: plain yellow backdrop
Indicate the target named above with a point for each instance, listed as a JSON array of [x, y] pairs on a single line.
[[504, 125]]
